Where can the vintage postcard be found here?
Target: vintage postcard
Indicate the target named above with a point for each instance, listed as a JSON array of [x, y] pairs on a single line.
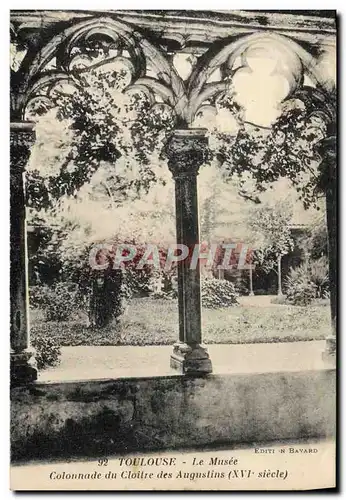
[[173, 218]]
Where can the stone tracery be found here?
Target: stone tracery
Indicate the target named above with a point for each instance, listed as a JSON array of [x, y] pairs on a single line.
[[103, 42]]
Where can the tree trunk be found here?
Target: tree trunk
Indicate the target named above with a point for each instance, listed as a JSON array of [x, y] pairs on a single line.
[[279, 276]]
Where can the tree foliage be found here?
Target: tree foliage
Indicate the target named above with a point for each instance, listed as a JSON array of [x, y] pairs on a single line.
[[98, 124], [272, 225], [286, 149]]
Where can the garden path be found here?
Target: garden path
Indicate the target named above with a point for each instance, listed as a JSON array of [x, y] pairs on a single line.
[[97, 362]]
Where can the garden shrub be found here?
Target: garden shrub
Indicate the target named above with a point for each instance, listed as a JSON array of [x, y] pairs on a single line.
[[319, 276], [137, 282], [300, 289], [60, 301], [47, 350], [163, 285], [106, 303], [36, 294], [307, 282], [218, 293]]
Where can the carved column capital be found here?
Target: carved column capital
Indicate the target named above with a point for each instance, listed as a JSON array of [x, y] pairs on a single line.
[[186, 151], [22, 138]]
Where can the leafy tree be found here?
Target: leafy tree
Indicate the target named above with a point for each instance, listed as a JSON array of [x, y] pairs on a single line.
[[316, 242], [272, 224], [94, 125], [286, 149]]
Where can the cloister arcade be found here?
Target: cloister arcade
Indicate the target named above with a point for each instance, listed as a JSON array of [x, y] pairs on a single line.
[[51, 54]]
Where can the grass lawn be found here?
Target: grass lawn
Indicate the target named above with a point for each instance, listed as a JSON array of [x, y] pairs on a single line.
[[155, 322]]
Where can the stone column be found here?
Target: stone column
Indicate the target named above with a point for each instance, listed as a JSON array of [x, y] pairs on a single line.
[[327, 150], [221, 274], [251, 294], [23, 368], [186, 152]]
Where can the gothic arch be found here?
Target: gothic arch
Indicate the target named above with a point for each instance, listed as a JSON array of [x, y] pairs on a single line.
[[199, 89], [32, 75]]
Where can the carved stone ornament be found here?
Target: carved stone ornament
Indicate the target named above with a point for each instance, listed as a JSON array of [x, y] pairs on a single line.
[[186, 151], [22, 138]]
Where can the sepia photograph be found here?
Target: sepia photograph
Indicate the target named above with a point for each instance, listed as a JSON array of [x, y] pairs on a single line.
[[173, 250]]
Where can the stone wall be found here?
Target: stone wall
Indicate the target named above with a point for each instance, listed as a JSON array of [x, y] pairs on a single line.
[[103, 417]]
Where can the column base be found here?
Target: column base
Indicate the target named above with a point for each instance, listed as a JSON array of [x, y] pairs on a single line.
[[190, 359], [23, 368], [329, 353]]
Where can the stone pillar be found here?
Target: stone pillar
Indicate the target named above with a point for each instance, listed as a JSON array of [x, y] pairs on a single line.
[[221, 274], [251, 294], [186, 152], [327, 150], [23, 368]]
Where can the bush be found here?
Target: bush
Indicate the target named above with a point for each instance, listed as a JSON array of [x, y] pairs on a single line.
[[300, 289], [319, 276], [307, 282], [58, 302], [107, 295], [47, 351], [163, 285], [218, 293], [137, 282], [36, 294]]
